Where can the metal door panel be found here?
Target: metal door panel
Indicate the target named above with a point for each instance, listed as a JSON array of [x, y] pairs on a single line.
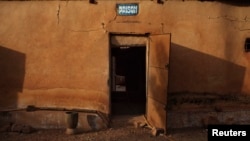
[[157, 81]]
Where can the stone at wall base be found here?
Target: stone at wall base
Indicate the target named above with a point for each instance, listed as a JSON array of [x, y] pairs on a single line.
[[157, 131], [70, 131]]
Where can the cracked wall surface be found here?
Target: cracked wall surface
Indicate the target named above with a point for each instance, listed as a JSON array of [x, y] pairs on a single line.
[[66, 48]]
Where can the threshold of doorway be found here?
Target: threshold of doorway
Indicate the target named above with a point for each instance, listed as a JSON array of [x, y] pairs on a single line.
[[118, 121]]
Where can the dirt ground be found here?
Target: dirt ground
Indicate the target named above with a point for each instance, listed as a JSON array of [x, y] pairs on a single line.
[[120, 130]]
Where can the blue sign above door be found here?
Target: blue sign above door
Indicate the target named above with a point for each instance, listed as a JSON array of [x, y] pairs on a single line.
[[127, 9]]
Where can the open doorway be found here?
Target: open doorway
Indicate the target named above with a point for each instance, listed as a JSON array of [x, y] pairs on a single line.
[[128, 80], [139, 76]]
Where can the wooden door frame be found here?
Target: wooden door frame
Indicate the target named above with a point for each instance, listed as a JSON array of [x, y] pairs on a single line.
[[147, 45]]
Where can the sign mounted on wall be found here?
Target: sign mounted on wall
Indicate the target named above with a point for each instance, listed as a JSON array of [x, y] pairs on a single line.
[[127, 9]]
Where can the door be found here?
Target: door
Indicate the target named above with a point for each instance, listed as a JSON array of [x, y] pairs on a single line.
[[157, 82]]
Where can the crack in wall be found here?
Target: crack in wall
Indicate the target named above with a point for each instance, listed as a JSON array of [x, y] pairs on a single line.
[[58, 14], [103, 27], [162, 28], [88, 30], [244, 29], [110, 21], [232, 19]]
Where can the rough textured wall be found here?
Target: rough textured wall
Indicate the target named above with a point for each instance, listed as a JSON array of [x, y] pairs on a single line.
[[63, 66], [57, 51], [208, 49]]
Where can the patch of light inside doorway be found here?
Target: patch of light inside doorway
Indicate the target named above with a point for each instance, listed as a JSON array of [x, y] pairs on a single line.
[[125, 47]]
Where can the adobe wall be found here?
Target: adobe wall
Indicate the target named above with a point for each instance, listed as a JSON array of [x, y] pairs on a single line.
[[56, 53]]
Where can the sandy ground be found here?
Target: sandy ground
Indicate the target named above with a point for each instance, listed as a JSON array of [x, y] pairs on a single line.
[[119, 134], [120, 130]]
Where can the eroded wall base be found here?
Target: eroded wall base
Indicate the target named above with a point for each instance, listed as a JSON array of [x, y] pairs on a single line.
[[202, 119], [200, 110], [53, 120]]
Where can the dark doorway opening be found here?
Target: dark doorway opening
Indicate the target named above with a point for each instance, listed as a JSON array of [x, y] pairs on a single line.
[[128, 80]]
